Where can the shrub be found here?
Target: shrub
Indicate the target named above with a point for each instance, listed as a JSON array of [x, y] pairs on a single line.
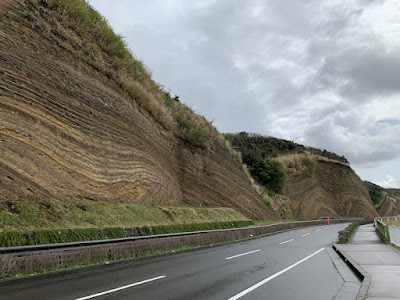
[[196, 137], [347, 234], [64, 235], [11, 239], [270, 174], [114, 232], [163, 229], [182, 122], [312, 165]]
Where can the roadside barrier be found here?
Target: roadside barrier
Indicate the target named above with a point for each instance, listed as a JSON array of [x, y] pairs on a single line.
[[390, 233]]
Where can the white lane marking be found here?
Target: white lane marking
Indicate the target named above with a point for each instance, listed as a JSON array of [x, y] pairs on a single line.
[[318, 230], [306, 234], [326, 228], [120, 288], [246, 291], [288, 241], [243, 254]]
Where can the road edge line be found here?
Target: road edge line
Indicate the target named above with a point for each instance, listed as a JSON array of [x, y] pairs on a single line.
[[120, 288], [242, 254], [262, 282]]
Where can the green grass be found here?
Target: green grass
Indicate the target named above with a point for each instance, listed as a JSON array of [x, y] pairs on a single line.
[[196, 137], [53, 214], [53, 221], [182, 121], [312, 166]]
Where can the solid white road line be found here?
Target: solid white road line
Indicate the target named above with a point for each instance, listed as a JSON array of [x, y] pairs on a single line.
[[120, 288], [288, 241], [243, 254], [246, 291], [306, 234]]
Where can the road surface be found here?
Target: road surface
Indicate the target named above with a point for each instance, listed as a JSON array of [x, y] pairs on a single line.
[[288, 265]]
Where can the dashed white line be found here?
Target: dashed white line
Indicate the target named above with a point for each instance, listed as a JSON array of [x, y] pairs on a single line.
[[306, 234], [243, 254], [120, 288], [246, 291], [318, 230], [288, 241], [326, 228]]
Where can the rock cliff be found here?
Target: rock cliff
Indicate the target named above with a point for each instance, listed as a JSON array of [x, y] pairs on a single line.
[[75, 124]]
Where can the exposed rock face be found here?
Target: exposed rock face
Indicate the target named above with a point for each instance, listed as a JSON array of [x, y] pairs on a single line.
[[333, 190], [68, 132], [389, 206]]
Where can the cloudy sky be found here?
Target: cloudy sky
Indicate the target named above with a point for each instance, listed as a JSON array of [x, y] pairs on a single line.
[[321, 73]]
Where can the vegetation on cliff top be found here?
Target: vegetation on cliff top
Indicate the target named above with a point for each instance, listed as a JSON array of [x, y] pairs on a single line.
[[259, 153], [268, 147], [376, 192]]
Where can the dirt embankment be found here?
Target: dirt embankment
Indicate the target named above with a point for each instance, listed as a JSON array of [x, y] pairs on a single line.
[[330, 189], [68, 132]]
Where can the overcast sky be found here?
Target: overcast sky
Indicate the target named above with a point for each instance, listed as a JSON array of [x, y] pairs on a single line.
[[320, 73]]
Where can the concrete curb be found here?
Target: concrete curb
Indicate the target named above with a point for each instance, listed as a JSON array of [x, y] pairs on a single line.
[[359, 271]]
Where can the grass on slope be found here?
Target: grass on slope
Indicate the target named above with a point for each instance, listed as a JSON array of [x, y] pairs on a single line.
[[23, 215], [273, 221]]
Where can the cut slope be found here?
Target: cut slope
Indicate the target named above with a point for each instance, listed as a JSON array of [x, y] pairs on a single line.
[[386, 201], [332, 189], [80, 120]]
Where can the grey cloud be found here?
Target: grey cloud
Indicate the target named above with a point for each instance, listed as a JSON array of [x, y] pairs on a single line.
[[359, 74]]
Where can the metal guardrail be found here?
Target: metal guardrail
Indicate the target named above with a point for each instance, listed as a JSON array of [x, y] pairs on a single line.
[[390, 232]]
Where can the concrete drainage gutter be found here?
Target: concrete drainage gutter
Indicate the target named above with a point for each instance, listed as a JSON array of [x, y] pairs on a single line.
[[359, 271]]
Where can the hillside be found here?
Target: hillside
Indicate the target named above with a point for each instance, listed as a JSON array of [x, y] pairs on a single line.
[[315, 182], [386, 201], [81, 120]]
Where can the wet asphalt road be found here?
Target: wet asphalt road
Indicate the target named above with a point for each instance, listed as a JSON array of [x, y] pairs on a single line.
[[208, 274]]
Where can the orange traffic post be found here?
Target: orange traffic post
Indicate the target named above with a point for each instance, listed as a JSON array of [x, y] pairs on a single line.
[[328, 220]]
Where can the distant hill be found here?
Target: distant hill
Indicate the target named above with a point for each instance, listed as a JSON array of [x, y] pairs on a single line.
[[316, 182], [386, 201]]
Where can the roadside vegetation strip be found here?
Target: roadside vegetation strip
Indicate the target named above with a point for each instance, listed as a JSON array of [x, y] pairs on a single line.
[[51, 236], [347, 234]]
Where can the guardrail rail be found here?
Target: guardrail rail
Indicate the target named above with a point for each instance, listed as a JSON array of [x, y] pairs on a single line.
[[390, 232]]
